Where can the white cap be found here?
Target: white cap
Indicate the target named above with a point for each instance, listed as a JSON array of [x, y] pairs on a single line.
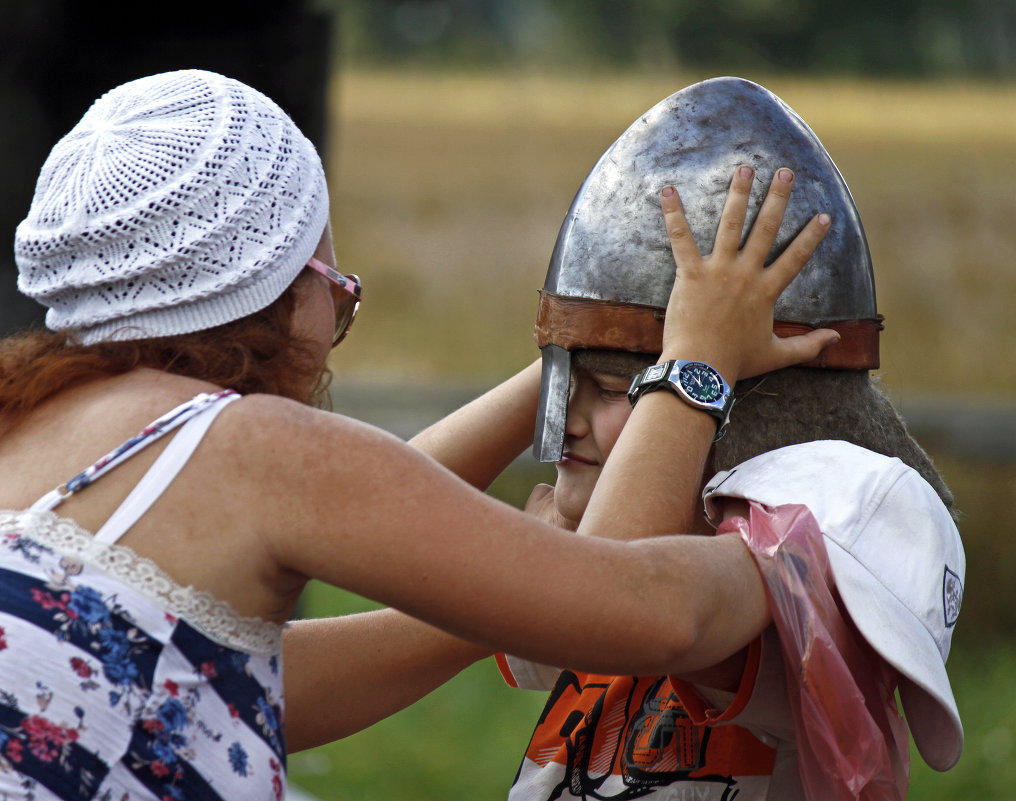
[[179, 202], [896, 557]]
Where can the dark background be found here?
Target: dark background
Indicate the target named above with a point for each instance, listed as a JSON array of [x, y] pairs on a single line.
[[862, 37], [59, 55]]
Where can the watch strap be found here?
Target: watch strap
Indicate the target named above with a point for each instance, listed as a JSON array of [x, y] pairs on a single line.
[[666, 375]]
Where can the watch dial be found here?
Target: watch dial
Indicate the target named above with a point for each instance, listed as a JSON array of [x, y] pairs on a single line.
[[701, 383]]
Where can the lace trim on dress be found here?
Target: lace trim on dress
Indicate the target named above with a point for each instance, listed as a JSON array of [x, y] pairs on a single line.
[[215, 618]]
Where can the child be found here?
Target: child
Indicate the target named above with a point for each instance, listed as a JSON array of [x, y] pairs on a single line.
[[806, 455]]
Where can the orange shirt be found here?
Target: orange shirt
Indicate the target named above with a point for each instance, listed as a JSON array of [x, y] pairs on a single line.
[[627, 737]]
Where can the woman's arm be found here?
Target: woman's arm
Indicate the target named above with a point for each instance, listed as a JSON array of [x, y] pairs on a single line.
[[384, 521], [343, 674], [478, 441]]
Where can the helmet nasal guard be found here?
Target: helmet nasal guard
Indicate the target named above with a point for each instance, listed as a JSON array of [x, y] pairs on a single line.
[[612, 268]]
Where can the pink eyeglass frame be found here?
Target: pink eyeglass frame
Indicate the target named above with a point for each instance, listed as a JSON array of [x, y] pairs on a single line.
[[344, 313]]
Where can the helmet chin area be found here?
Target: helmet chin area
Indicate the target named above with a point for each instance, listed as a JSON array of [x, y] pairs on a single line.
[[552, 412]]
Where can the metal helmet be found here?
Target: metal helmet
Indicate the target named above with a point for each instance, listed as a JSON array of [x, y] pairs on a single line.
[[612, 268]]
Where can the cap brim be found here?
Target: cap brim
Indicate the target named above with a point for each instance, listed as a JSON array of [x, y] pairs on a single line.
[[903, 641]]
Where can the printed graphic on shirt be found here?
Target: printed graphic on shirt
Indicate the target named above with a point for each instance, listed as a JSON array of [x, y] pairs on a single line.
[[623, 738]]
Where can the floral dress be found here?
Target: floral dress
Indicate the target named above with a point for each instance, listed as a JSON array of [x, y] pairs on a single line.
[[118, 684]]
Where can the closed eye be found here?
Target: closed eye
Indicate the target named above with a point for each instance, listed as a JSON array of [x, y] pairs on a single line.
[[612, 387], [614, 394]]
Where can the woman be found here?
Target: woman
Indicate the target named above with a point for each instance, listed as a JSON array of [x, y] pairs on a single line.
[[179, 237]]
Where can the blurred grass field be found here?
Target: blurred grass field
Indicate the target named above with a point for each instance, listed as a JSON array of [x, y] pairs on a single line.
[[448, 191]]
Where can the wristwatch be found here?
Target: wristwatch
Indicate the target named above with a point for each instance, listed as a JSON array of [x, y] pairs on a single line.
[[696, 383]]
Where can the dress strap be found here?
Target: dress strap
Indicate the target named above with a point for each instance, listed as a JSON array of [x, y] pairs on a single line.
[[168, 422], [161, 474]]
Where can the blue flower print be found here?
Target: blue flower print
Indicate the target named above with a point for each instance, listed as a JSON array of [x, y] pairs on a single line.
[[166, 738], [238, 759], [115, 645], [267, 714], [172, 714], [164, 750], [268, 718], [83, 610], [172, 792], [121, 672], [117, 664], [88, 605]]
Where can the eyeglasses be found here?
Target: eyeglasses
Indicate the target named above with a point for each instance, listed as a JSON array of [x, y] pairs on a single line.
[[348, 303]]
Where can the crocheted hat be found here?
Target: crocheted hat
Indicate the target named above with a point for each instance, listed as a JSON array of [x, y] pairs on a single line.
[[179, 202]]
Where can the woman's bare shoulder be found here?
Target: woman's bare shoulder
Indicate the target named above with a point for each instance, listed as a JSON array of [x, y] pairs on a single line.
[[272, 416], [277, 431]]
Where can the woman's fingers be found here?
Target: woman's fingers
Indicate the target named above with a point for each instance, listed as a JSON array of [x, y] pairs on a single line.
[[541, 505], [728, 234], [682, 243]]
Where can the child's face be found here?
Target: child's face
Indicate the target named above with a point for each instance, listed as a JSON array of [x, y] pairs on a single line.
[[597, 411]]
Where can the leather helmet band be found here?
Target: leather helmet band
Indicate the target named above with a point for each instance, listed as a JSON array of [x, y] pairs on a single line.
[[589, 324]]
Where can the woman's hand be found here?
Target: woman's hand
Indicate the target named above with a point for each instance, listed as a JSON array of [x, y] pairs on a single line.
[[721, 306], [541, 506]]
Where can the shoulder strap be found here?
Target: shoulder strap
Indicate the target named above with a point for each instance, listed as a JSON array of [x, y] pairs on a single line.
[[158, 428], [161, 474]]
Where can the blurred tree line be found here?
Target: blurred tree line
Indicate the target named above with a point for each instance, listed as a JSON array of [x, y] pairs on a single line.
[[58, 55], [914, 38]]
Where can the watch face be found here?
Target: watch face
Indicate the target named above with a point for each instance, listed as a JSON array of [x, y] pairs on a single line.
[[701, 382]]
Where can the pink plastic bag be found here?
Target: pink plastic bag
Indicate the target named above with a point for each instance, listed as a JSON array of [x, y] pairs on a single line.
[[853, 744]]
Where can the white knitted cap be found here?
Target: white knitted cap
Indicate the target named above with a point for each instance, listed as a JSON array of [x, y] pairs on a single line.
[[179, 202]]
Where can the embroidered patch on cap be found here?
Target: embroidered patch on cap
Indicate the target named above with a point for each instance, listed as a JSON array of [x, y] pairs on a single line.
[[952, 597]]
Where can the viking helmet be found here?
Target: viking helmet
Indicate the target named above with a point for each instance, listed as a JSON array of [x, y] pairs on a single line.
[[612, 268]]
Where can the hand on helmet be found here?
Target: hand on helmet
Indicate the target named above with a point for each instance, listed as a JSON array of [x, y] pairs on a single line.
[[721, 307]]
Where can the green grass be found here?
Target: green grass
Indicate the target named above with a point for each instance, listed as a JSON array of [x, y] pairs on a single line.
[[982, 678], [465, 740]]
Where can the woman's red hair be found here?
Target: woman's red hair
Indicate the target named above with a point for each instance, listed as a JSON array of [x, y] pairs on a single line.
[[257, 353]]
